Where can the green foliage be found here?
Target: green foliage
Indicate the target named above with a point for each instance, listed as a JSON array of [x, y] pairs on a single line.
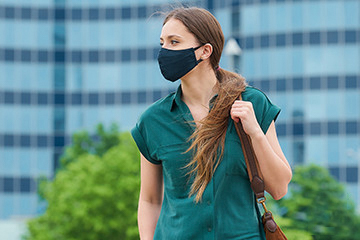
[[318, 204], [288, 227], [95, 196], [83, 143]]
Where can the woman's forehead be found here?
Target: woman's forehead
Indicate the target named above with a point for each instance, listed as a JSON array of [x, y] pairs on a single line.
[[174, 27]]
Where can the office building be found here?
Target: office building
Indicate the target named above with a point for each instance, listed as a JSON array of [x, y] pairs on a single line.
[[68, 65]]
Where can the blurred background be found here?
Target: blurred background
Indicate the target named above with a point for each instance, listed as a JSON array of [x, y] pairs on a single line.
[[68, 65]]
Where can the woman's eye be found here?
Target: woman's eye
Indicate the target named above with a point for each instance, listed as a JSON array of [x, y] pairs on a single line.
[[174, 41], [161, 44]]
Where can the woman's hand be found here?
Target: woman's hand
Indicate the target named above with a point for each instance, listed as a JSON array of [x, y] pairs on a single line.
[[244, 111]]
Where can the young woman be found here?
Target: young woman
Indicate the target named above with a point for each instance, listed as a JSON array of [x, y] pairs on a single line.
[[194, 183]]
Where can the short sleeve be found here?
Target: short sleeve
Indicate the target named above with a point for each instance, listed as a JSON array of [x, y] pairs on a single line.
[[138, 133], [265, 110]]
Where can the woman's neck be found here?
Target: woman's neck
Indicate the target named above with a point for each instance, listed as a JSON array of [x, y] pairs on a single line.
[[198, 88]]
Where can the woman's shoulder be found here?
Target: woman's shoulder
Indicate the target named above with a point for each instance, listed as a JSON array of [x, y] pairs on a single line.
[[255, 95]]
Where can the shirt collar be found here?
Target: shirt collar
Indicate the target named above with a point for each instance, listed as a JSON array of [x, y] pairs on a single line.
[[176, 98]]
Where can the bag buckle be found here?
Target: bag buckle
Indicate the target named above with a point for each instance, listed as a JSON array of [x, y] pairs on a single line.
[[262, 202]]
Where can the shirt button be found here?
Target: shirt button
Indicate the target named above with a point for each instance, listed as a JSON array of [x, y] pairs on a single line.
[[209, 229], [209, 203]]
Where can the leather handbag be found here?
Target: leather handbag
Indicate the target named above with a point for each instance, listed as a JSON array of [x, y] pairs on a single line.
[[272, 230]]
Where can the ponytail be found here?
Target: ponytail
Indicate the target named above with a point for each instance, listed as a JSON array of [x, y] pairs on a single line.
[[209, 139]]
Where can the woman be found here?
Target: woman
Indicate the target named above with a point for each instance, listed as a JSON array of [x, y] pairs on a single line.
[[194, 183]]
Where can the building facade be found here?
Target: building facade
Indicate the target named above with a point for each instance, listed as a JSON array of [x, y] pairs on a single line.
[[68, 65]]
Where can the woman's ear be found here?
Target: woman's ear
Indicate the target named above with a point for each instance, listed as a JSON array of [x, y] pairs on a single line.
[[206, 51]]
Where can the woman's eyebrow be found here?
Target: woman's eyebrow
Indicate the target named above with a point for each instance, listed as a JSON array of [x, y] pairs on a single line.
[[171, 36]]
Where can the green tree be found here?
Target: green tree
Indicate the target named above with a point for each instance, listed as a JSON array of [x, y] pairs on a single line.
[[95, 195], [98, 144], [318, 204], [288, 227]]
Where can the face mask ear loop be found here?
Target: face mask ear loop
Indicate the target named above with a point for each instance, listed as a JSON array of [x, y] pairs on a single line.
[[200, 60]]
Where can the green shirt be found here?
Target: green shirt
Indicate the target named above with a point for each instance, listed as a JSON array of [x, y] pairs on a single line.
[[228, 209]]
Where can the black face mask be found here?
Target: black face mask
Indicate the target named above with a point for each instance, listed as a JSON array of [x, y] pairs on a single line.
[[174, 64]]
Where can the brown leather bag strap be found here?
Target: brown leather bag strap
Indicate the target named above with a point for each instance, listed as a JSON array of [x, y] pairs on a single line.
[[253, 168]]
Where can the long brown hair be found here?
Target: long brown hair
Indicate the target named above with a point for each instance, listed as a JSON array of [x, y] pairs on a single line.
[[208, 140]]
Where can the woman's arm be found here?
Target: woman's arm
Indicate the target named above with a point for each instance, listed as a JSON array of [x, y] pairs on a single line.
[[150, 200], [273, 164]]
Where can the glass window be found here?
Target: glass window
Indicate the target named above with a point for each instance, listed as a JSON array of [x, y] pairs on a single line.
[[285, 145], [281, 20], [352, 9], [333, 150], [110, 115], [352, 150], [24, 77], [75, 118], [334, 105], [59, 78], [59, 119], [7, 161], [129, 71], [91, 78], [235, 20], [131, 38], [250, 20], [315, 150], [352, 175], [75, 35], [7, 116], [129, 115], [248, 63], [125, 12], [333, 12], [264, 69], [7, 207], [279, 62], [24, 162], [74, 77], [10, 30], [352, 59], [28, 204], [110, 35], [92, 34], [44, 162], [281, 100], [297, 100], [280, 40], [324, 59], [108, 77], [352, 104], [314, 38], [315, 102], [222, 16], [25, 116], [26, 34], [297, 16], [332, 37], [333, 128], [264, 18], [297, 61], [43, 80], [43, 121], [143, 79], [91, 118], [156, 80], [312, 15], [153, 26], [315, 82]]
